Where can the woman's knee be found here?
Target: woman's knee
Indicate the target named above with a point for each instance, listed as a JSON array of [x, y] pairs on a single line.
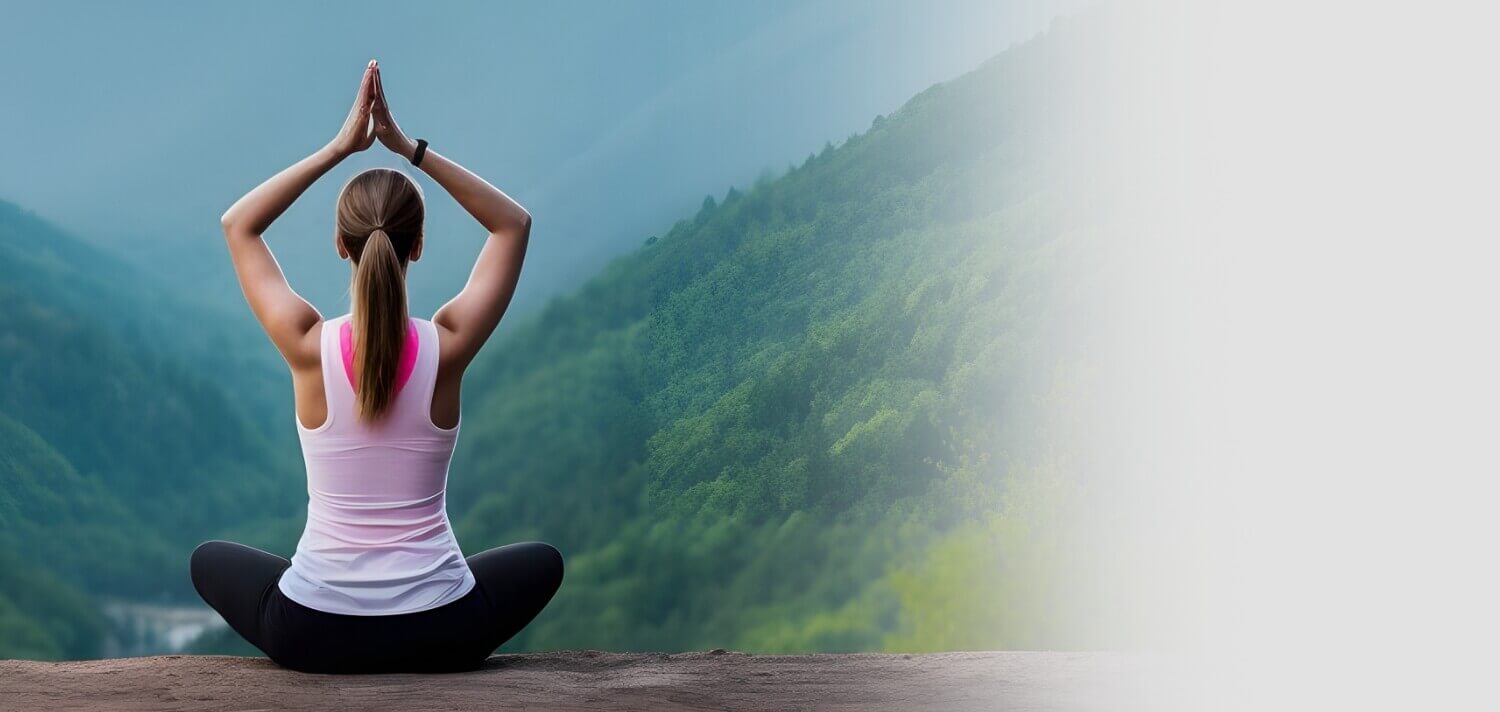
[[201, 560], [557, 564], [541, 562], [548, 562]]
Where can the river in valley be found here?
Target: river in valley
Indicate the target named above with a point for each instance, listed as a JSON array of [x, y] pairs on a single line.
[[138, 628]]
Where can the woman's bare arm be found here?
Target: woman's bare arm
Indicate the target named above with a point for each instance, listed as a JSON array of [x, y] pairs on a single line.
[[469, 318], [286, 317]]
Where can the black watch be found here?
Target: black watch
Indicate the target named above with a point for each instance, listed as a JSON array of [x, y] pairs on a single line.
[[416, 156]]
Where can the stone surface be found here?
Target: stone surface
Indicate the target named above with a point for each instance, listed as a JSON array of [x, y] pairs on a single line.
[[590, 680]]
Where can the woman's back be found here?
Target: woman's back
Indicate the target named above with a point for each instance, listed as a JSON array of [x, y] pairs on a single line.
[[378, 540]]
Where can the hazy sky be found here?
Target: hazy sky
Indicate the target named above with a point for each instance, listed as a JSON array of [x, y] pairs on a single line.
[[137, 124]]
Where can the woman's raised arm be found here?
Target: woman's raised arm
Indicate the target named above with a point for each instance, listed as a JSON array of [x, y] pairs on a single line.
[[469, 318], [288, 318]]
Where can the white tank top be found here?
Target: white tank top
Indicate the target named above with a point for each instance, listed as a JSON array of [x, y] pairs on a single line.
[[378, 540]]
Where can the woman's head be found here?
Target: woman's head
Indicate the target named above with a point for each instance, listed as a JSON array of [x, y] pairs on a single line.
[[379, 227]]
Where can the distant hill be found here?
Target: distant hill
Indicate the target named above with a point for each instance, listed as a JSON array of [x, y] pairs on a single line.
[[62, 272], [55, 517], [119, 444]]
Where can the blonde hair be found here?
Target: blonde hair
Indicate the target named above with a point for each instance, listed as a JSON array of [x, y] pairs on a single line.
[[379, 219]]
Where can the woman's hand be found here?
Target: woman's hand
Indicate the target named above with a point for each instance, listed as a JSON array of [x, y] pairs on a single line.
[[356, 134], [391, 136]]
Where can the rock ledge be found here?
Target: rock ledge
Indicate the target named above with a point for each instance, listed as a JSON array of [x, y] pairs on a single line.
[[583, 680]]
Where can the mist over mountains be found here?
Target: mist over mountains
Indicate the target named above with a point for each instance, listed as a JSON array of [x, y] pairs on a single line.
[[139, 125]]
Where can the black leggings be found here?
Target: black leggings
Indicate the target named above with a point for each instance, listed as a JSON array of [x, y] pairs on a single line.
[[513, 584]]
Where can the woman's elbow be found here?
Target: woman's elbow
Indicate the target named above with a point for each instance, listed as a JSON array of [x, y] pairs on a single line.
[[520, 229], [234, 224]]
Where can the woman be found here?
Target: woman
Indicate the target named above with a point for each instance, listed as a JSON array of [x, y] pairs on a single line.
[[378, 582]]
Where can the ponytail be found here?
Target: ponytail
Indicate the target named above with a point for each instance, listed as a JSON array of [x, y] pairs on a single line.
[[379, 223], [380, 324]]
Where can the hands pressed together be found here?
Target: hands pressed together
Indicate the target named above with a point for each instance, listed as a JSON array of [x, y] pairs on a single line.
[[468, 319], [370, 119]]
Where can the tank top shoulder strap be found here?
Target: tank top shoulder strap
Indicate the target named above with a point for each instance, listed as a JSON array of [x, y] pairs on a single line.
[[336, 388], [424, 371]]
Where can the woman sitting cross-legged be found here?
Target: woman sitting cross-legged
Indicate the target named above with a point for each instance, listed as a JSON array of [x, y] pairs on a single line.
[[378, 582]]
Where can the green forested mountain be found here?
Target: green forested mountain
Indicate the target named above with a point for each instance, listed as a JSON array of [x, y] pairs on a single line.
[[40, 615], [68, 278], [811, 416], [119, 447]]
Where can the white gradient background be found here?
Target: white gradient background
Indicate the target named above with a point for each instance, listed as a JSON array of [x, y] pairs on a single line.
[[1294, 297]]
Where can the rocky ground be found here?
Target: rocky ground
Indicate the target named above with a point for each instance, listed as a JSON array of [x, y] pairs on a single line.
[[590, 680]]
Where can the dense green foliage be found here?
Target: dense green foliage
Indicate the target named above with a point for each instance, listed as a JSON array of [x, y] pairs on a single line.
[[809, 418], [42, 617], [118, 450]]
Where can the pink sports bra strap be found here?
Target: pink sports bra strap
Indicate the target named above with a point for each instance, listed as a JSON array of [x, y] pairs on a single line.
[[408, 354]]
